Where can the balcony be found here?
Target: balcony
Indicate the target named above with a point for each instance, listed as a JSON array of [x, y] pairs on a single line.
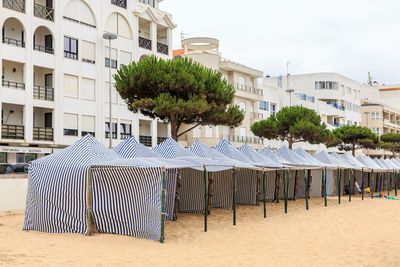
[[43, 134], [248, 89], [12, 132], [12, 84], [256, 116], [43, 12], [44, 49], [162, 48], [243, 139], [15, 42], [145, 140], [43, 93], [148, 2], [120, 3], [144, 43], [17, 5]]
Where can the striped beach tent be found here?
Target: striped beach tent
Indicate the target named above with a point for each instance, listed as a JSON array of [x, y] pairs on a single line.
[[269, 152], [353, 161], [192, 184], [258, 159], [125, 198], [249, 180], [131, 148]]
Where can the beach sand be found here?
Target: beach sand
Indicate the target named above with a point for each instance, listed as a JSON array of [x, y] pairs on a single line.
[[360, 233]]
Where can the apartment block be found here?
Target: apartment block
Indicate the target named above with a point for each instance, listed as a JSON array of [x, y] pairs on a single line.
[[55, 64]]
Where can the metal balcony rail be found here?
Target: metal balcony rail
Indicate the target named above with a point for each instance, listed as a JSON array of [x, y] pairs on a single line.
[[144, 43], [148, 2], [90, 61], [15, 42], [43, 134], [11, 84], [248, 89], [80, 22], [125, 136], [43, 93], [114, 135], [161, 139], [70, 55], [43, 12], [45, 49], [17, 5], [120, 3], [145, 140], [256, 116], [71, 132], [243, 139], [162, 48], [12, 132]]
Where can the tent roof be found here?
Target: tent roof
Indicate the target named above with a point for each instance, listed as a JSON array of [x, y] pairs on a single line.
[[85, 152], [293, 158], [302, 153], [229, 150], [367, 161], [269, 152], [202, 150], [170, 149], [131, 148], [258, 159], [395, 162], [391, 164], [381, 163], [353, 161], [326, 158]]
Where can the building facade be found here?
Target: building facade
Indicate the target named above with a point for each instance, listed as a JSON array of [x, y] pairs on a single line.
[[248, 93], [55, 66]]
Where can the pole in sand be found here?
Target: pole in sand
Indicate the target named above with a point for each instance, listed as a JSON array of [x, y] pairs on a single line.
[[306, 186], [265, 193], [205, 199], [325, 198], [340, 185], [164, 193], [234, 196]]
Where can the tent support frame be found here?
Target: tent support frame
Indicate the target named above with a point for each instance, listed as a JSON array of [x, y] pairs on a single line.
[[163, 200], [265, 193], [89, 231], [306, 187], [234, 195], [205, 198]]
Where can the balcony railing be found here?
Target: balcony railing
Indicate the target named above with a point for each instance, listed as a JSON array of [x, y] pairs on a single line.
[[45, 49], [144, 43], [43, 93], [43, 12], [43, 134], [148, 2], [120, 3], [114, 135], [161, 139], [248, 89], [11, 84], [17, 5], [12, 132], [162, 48], [11, 41], [256, 116], [145, 140], [243, 139], [125, 136]]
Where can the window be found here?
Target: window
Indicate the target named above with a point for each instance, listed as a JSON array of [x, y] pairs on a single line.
[[25, 158], [125, 58], [88, 52], [120, 3], [273, 109], [242, 80], [70, 48], [326, 85], [3, 157], [242, 105], [373, 117], [70, 124], [148, 2], [197, 132], [114, 130], [114, 93], [125, 130], [114, 62], [348, 90], [242, 132], [217, 131], [88, 89], [88, 125], [263, 105], [116, 23], [279, 81], [77, 11], [209, 132], [70, 85]]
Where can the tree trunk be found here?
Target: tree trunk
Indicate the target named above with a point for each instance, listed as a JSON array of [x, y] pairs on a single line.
[[210, 191], [174, 128], [353, 149], [290, 144], [309, 183], [277, 186], [296, 176]]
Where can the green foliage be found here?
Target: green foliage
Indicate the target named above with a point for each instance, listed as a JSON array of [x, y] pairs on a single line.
[[179, 91], [391, 141], [353, 137], [294, 124]]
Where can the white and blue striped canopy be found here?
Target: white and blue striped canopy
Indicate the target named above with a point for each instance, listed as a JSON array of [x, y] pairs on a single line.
[[131, 148], [269, 152], [258, 159], [381, 163], [202, 150], [329, 159], [353, 161], [293, 158], [226, 148], [395, 162], [170, 149], [302, 153], [338, 157], [391, 164], [367, 161]]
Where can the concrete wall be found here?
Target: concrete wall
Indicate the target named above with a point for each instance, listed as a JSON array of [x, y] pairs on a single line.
[[13, 194]]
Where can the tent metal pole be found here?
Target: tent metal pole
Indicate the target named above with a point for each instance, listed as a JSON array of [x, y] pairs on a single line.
[[388, 182], [306, 186], [380, 184], [284, 188], [351, 173], [395, 182], [340, 185], [325, 198], [287, 190], [234, 196], [265, 193], [163, 199], [362, 183], [89, 204], [372, 188], [205, 199]]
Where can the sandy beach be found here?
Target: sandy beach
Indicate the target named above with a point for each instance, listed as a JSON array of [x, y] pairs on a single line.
[[360, 233]]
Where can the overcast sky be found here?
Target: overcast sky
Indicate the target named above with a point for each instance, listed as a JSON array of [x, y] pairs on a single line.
[[350, 37]]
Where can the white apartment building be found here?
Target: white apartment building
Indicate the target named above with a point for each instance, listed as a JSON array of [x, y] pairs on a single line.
[[54, 64], [248, 93]]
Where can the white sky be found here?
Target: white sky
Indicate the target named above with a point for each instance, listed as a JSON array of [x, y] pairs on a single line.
[[350, 37]]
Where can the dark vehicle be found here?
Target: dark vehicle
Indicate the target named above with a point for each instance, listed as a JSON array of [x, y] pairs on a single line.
[[18, 168]]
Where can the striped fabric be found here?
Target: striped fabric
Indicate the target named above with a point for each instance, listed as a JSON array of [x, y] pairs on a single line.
[[57, 186], [353, 161], [302, 153], [324, 157], [127, 201], [390, 163], [229, 150], [258, 159], [269, 152], [131, 148], [191, 192], [293, 158]]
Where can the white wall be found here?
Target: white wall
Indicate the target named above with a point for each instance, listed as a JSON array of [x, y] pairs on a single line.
[[13, 194]]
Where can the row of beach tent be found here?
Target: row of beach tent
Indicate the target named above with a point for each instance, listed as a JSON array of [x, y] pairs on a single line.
[[131, 190]]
